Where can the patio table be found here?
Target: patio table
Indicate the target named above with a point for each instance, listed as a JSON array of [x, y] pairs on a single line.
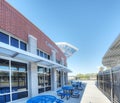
[[67, 87], [42, 99], [67, 91]]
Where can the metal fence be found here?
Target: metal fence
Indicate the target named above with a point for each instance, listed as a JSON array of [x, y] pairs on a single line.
[[109, 83]]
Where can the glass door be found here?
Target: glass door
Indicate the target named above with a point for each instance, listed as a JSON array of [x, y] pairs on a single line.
[[44, 79]]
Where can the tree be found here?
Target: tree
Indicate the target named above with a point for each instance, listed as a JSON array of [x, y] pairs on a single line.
[[86, 76]]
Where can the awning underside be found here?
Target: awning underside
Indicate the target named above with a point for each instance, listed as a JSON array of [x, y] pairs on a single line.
[[16, 53]]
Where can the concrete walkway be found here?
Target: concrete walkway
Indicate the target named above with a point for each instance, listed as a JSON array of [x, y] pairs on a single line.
[[93, 95]]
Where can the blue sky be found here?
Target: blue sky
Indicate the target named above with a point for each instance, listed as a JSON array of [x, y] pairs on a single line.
[[90, 25]]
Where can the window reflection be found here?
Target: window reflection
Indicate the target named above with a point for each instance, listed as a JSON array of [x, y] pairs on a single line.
[[4, 38], [65, 76], [47, 77], [44, 79], [4, 82], [4, 64], [14, 42], [19, 76], [41, 80], [23, 46], [58, 79], [4, 76], [19, 80]]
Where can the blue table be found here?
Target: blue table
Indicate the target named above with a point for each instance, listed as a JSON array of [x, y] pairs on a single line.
[[67, 91], [42, 99], [67, 87]]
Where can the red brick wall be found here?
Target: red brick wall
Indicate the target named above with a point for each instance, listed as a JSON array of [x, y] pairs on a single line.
[[15, 23]]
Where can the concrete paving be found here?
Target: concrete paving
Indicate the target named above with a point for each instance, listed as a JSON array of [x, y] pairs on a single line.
[[90, 94], [70, 100], [93, 95]]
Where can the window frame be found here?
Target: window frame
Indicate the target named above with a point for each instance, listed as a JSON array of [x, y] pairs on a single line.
[[12, 43], [23, 43], [7, 37]]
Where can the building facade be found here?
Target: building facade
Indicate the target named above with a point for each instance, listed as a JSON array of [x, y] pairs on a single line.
[[30, 63]]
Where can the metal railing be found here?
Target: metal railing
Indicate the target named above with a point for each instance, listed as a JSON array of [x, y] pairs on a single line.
[[109, 83]]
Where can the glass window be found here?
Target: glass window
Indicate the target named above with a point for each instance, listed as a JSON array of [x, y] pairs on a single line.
[[40, 79], [44, 79], [4, 38], [14, 42], [48, 57], [58, 61], [18, 80], [19, 95], [4, 76], [65, 76], [41, 53], [38, 52], [4, 64], [58, 79], [40, 70], [23, 46], [19, 76], [47, 77], [5, 98], [4, 82], [45, 56]]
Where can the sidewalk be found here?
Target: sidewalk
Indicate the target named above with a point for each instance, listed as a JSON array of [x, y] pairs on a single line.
[[93, 95]]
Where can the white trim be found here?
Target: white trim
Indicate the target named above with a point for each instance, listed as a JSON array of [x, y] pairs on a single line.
[[31, 36], [33, 57], [13, 59], [43, 66]]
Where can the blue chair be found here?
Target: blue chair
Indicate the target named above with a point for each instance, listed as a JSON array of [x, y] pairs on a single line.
[[66, 92], [59, 92], [80, 86], [59, 101], [74, 84], [76, 94]]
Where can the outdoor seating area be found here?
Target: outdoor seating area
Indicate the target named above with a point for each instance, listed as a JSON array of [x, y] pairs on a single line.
[[64, 94], [89, 94], [72, 90]]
